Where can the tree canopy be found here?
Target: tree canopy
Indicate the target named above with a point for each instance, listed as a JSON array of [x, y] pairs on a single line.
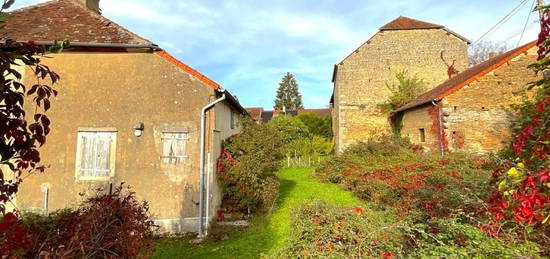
[[288, 95]]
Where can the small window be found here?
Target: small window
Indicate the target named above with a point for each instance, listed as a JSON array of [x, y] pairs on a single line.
[[95, 155], [232, 120], [455, 108], [422, 135], [174, 147]]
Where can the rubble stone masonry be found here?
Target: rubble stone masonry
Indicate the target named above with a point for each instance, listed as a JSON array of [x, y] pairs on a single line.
[[360, 82]]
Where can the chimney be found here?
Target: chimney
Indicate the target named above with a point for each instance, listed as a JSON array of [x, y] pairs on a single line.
[[92, 5]]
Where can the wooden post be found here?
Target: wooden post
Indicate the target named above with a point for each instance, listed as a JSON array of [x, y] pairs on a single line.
[[288, 161]]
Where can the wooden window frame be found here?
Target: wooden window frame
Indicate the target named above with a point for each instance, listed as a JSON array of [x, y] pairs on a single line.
[[112, 154], [232, 118], [184, 158]]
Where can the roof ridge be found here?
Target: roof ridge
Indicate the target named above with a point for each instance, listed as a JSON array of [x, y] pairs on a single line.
[[102, 19], [420, 24], [34, 6]]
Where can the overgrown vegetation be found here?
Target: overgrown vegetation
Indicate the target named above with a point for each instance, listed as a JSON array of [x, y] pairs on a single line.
[[521, 184], [406, 90], [104, 226], [269, 232], [305, 139], [317, 125], [439, 205], [248, 167]]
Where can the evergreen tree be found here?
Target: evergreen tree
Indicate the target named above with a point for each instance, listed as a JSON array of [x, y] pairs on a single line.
[[288, 94]]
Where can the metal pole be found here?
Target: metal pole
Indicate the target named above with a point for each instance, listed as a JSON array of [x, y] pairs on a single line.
[[540, 3], [201, 163]]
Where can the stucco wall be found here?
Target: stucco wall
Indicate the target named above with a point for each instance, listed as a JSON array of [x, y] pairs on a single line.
[[360, 84], [120, 90], [221, 132], [479, 114]]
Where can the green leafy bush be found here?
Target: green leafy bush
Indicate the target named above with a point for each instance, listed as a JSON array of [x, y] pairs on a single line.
[[451, 238], [290, 128], [248, 167], [317, 125], [406, 90]]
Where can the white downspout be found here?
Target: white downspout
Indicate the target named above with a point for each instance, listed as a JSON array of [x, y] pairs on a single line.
[[202, 158], [208, 182]]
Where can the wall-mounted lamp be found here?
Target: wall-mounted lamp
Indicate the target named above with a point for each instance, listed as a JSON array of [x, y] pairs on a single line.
[[138, 129]]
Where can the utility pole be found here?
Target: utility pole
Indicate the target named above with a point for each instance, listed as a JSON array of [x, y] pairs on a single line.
[[540, 3]]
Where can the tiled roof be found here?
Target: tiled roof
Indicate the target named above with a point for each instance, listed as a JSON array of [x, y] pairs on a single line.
[[463, 79], [188, 69], [255, 112], [65, 19], [406, 23]]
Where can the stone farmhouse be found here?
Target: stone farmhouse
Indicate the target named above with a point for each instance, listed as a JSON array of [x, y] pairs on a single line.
[[471, 111], [425, 50], [261, 115], [127, 111]]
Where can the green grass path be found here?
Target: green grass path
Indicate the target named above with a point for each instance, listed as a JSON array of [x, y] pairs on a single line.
[[268, 233]]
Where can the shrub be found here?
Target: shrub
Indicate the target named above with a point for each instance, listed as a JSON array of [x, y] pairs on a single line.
[[392, 175], [290, 128], [104, 226], [248, 167], [14, 238], [451, 238], [317, 125], [321, 230]]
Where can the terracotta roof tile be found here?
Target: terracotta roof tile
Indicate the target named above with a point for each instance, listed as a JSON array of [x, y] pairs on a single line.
[[406, 23], [255, 112], [188, 69], [65, 19], [466, 77]]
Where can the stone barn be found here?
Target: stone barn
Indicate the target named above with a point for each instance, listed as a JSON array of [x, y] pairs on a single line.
[[471, 111], [422, 49]]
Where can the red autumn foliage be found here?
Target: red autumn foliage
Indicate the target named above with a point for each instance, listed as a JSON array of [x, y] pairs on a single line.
[[104, 226]]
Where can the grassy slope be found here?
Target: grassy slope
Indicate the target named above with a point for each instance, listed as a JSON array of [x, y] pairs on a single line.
[[268, 233]]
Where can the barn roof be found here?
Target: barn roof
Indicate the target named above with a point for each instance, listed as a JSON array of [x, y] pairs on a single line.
[[466, 77]]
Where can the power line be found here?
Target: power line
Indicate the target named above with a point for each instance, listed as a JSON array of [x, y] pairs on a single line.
[[527, 22], [503, 20]]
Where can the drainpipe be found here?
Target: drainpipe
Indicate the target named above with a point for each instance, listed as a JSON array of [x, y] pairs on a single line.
[[440, 124], [202, 159]]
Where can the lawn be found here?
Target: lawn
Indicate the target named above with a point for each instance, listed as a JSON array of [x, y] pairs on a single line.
[[268, 233]]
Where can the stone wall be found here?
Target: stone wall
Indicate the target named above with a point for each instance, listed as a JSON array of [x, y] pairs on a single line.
[[480, 113], [418, 122], [360, 83]]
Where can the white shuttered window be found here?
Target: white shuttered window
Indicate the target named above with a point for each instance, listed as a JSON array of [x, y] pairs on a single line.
[[174, 147], [96, 154]]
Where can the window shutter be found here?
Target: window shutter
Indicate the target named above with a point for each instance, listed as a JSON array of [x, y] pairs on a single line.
[[103, 154], [87, 159]]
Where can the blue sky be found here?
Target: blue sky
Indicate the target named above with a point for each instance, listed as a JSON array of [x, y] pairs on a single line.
[[247, 45]]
